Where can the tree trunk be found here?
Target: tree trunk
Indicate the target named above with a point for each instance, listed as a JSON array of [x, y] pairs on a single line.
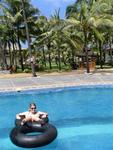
[[110, 52], [101, 56], [86, 52], [50, 66], [20, 51], [59, 59], [87, 60], [10, 54], [28, 40], [63, 59], [4, 57], [44, 57]]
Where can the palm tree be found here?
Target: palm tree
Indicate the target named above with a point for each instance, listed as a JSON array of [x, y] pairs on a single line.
[[87, 19], [28, 39], [13, 14]]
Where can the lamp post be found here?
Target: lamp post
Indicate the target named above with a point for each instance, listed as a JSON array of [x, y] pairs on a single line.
[[28, 40]]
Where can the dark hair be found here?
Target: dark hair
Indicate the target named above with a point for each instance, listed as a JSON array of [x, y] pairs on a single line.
[[32, 104]]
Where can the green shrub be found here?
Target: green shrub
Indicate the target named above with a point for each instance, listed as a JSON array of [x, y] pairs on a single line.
[[27, 71], [67, 69], [19, 70]]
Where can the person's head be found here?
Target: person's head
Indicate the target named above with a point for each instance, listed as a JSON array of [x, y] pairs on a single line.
[[32, 107]]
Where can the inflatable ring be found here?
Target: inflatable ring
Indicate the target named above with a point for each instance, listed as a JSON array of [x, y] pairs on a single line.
[[47, 133]]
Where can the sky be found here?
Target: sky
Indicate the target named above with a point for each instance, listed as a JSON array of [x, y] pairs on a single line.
[[48, 7]]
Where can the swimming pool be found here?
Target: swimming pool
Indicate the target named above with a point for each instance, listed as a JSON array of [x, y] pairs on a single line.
[[82, 115]]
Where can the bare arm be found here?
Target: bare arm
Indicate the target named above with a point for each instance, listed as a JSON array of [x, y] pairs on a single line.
[[43, 114], [21, 115]]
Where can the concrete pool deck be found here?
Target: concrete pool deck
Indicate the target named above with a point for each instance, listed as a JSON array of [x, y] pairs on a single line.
[[19, 82]]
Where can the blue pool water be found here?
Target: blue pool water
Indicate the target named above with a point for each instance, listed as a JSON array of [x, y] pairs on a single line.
[[83, 117]]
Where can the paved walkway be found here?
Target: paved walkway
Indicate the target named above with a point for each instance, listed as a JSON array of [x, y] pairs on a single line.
[[24, 82]]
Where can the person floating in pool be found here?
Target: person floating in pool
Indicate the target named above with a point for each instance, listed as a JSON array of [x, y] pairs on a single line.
[[32, 115]]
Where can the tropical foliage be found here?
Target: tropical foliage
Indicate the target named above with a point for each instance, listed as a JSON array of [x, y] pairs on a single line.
[[56, 43]]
